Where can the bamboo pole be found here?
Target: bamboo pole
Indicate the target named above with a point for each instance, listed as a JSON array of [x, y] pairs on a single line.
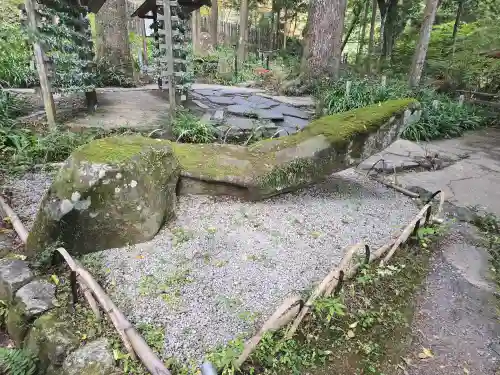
[[132, 340], [282, 316], [15, 221]]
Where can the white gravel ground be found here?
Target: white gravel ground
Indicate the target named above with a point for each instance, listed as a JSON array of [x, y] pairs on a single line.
[[223, 266], [27, 193]]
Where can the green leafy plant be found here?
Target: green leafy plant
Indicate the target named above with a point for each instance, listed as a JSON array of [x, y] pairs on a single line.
[[17, 362], [225, 357], [186, 127], [329, 308]]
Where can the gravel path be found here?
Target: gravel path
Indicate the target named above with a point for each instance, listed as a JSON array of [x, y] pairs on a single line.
[[223, 266], [27, 193]]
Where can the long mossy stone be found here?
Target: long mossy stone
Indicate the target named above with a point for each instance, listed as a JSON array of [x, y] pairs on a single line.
[[273, 166], [111, 192]]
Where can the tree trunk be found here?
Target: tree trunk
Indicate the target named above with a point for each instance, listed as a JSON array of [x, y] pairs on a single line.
[[285, 20], [353, 24], [214, 22], [371, 40], [391, 15], [323, 47], [195, 31], [418, 62], [243, 39], [457, 23], [112, 35], [363, 32]]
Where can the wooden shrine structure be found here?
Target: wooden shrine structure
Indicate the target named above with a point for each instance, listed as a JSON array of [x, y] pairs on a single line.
[[171, 20]]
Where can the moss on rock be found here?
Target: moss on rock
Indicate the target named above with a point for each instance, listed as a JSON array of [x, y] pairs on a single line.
[[111, 192], [51, 339]]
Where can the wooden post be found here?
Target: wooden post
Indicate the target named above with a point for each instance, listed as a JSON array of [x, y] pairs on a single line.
[[383, 83], [167, 24], [461, 99], [348, 88], [48, 100]]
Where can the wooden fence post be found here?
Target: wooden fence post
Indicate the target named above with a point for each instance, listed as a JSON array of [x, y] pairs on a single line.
[[48, 100]]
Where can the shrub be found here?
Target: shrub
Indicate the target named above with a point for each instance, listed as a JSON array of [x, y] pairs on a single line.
[[17, 362], [111, 75], [186, 127], [447, 119]]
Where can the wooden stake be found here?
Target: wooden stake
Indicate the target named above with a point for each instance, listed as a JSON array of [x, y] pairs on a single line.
[[167, 24], [48, 100]]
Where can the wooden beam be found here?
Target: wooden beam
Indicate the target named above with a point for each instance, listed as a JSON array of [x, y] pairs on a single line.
[[167, 25], [48, 100]]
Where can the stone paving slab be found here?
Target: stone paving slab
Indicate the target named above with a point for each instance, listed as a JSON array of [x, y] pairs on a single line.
[[473, 178]]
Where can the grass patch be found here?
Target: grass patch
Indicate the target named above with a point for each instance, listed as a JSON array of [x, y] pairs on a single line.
[[442, 117], [489, 225]]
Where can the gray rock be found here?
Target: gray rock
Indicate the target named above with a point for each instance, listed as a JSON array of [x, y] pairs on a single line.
[[296, 101], [200, 104], [14, 274], [221, 100], [269, 114], [242, 110], [241, 123], [93, 358], [264, 102], [206, 92], [31, 300], [51, 340], [36, 297], [123, 187], [218, 115], [291, 111], [294, 123], [207, 116]]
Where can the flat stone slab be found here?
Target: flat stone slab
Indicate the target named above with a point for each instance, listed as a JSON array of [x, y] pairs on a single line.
[[206, 92], [218, 115], [14, 274], [242, 123], [36, 297], [296, 101], [262, 101], [221, 100], [291, 111], [294, 123], [200, 104], [242, 110]]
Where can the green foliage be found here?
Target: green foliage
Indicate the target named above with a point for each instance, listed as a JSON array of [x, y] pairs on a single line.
[[489, 224], [464, 65], [154, 336], [446, 119], [17, 362], [15, 53], [109, 75], [225, 357], [186, 127], [22, 148]]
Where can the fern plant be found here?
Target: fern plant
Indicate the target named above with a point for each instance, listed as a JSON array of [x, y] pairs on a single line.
[[17, 362]]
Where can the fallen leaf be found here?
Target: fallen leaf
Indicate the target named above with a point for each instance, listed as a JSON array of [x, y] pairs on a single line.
[[426, 353], [466, 371], [140, 256], [54, 279], [350, 334], [353, 325]]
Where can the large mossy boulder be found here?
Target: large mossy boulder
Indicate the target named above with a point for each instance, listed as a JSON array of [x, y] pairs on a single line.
[[269, 167], [51, 340], [110, 192]]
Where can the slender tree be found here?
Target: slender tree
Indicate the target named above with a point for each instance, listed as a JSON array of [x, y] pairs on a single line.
[[243, 38], [418, 62], [214, 22], [354, 22], [363, 33], [323, 45], [371, 40], [112, 35], [457, 23]]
